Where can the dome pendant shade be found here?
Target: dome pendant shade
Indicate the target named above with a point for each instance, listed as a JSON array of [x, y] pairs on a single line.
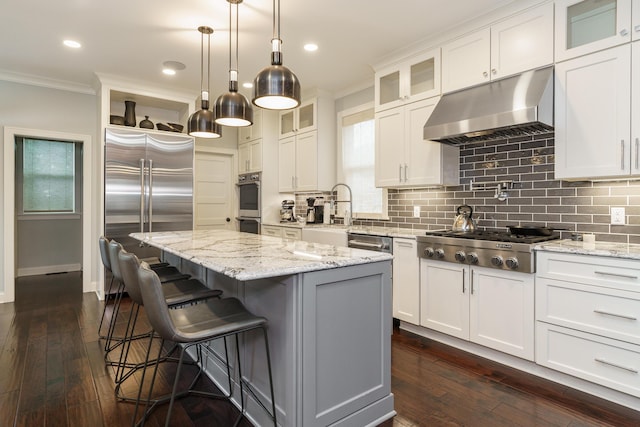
[[276, 88], [202, 123], [233, 109]]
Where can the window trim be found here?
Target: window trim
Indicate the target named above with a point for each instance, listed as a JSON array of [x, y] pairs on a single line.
[[384, 216]]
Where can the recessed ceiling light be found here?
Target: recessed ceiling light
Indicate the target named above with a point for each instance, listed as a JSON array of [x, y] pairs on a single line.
[[248, 85], [170, 67], [310, 47], [72, 43]]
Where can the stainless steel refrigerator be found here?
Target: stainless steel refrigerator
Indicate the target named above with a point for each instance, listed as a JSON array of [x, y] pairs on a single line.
[[148, 185]]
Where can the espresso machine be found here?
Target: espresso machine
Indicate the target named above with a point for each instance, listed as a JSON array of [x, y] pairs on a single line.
[[315, 210], [287, 211]]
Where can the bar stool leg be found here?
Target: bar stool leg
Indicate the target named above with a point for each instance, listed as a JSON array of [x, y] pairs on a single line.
[[104, 309]]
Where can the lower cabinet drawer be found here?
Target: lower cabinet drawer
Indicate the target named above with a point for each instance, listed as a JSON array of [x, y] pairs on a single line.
[[608, 312], [269, 230], [611, 363], [292, 233]]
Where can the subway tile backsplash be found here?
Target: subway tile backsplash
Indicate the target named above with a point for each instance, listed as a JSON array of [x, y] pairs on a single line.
[[536, 199]]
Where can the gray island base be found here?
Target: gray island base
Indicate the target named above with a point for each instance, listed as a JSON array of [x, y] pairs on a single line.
[[329, 314]]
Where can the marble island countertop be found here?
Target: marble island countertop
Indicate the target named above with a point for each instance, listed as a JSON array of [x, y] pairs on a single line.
[[245, 256], [407, 233], [606, 249]]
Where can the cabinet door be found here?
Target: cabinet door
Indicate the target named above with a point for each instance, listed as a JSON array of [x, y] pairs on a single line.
[[255, 155], [387, 88], [586, 26], [406, 281], [592, 117], [307, 116], [635, 105], [635, 19], [523, 42], [444, 297], [466, 61], [286, 164], [307, 161], [287, 123], [250, 133], [502, 311], [424, 160], [390, 147], [244, 157]]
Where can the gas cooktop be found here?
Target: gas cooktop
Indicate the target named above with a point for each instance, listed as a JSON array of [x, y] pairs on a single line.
[[493, 235]]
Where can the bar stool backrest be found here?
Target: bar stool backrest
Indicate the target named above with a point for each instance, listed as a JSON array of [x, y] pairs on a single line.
[[103, 242], [155, 304], [114, 250], [128, 263]]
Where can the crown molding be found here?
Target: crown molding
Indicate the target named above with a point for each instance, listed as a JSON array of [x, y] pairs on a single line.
[[33, 80]]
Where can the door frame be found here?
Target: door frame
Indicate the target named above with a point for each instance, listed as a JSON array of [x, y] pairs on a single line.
[[8, 293]]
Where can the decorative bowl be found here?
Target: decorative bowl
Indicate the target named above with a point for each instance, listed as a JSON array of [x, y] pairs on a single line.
[[176, 127], [116, 120], [162, 126]]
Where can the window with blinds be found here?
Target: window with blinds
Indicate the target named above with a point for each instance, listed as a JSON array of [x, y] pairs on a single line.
[[357, 141], [46, 172]]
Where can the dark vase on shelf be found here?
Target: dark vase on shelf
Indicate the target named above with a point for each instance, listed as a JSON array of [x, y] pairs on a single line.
[[146, 123], [129, 113]]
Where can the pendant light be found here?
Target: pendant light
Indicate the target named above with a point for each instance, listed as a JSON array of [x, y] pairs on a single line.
[[202, 123], [232, 108], [276, 87]]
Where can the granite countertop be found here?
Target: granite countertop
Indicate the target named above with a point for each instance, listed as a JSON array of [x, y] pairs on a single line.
[[358, 229], [245, 256], [606, 249]]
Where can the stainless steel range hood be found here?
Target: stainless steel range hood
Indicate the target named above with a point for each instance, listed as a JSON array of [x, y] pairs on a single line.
[[514, 106]]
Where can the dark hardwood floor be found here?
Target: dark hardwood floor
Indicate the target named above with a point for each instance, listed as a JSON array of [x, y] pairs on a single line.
[[52, 373]]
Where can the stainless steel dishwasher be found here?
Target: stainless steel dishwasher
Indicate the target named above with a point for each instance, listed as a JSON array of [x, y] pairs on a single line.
[[370, 242]]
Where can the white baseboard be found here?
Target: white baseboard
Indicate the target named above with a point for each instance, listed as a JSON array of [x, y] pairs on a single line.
[[48, 269]]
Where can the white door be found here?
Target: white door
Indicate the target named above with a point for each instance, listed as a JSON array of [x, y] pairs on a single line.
[[406, 280], [465, 61], [214, 195], [422, 157], [307, 161], [390, 147]]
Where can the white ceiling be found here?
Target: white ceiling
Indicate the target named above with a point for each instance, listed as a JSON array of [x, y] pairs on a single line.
[[132, 38]]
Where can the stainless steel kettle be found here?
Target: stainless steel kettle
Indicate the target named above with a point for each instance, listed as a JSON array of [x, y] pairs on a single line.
[[464, 219]]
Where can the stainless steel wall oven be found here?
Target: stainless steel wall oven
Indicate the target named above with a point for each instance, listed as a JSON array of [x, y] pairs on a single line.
[[250, 203]]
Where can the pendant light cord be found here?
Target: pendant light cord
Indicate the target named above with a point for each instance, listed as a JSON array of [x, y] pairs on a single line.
[[201, 63], [208, 62]]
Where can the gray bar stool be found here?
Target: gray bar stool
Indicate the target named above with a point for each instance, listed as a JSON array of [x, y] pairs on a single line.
[[166, 274], [176, 294], [197, 325]]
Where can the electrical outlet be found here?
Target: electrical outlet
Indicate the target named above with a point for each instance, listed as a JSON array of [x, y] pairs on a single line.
[[618, 216], [416, 211]]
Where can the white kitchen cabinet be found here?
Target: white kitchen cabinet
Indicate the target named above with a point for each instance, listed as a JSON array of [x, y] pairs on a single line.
[[593, 116], [502, 311], [490, 307], [587, 320], [444, 297], [301, 119], [293, 233], [250, 156], [519, 43], [408, 81], [406, 280], [253, 132], [586, 26], [635, 19], [307, 154], [403, 157]]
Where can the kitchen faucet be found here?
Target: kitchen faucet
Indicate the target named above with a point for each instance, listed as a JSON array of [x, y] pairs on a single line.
[[348, 215]]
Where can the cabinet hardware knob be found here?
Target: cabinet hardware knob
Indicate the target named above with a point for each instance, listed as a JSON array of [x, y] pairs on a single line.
[[637, 28], [494, 71], [485, 74], [624, 32]]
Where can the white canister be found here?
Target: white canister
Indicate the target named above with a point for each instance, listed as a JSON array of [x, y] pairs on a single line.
[[326, 219]]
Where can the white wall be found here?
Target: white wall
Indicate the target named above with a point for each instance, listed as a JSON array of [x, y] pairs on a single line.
[[48, 109]]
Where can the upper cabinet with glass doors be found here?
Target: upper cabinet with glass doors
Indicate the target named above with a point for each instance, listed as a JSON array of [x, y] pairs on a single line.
[[586, 26], [298, 120], [408, 81]]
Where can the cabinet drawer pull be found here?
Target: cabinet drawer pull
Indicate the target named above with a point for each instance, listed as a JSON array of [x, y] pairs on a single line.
[[622, 154], [405, 244], [608, 313], [624, 32], [606, 273], [637, 148], [400, 172], [463, 288], [615, 365]]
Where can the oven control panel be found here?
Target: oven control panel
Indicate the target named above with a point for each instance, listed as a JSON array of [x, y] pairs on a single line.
[[505, 258]]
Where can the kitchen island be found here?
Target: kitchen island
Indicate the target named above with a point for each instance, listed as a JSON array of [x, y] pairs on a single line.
[[329, 313]]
